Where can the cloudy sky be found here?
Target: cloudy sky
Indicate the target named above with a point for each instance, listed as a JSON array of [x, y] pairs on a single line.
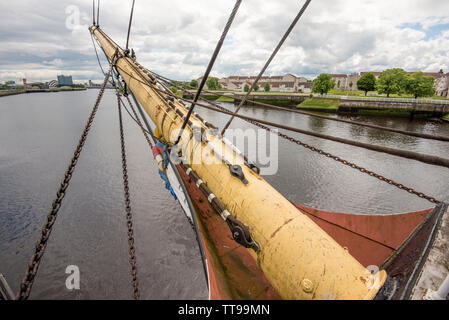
[[40, 39]]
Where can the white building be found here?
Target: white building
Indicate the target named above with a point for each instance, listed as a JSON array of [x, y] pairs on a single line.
[[441, 85], [286, 83]]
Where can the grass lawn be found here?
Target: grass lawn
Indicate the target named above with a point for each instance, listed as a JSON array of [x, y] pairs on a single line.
[[320, 104], [225, 99], [349, 92], [375, 94]]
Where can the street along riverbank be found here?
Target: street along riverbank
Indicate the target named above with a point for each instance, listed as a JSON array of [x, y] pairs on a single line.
[[15, 92]]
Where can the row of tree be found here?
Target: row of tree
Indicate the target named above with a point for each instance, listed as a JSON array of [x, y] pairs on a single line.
[[391, 81], [213, 84], [266, 88]]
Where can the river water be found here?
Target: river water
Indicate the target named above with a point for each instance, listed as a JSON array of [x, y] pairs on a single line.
[[38, 133]]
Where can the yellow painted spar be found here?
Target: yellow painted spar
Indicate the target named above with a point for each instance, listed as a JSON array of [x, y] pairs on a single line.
[[299, 259]]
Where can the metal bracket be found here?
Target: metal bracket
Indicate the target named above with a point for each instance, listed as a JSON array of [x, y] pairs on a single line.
[[125, 89], [236, 171], [253, 167], [240, 234]]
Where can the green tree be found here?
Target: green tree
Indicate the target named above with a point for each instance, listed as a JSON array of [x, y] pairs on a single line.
[[213, 84], [246, 88], [350, 85], [338, 84], [173, 89], [420, 86], [267, 87], [194, 84], [367, 82], [323, 83], [256, 87], [392, 81]]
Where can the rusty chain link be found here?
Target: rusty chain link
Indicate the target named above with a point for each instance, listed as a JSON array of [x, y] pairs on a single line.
[[362, 169], [129, 217], [284, 136], [33, 265], [145, 132], [137, 120], [345, 162]]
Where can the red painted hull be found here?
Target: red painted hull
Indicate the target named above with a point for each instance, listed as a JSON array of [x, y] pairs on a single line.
[[392, 242], [371, 239]]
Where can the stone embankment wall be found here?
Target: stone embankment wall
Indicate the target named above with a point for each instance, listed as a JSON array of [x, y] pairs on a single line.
[[347, 104]]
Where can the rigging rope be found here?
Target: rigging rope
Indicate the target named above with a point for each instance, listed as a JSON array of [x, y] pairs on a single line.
[[289, 30], [410, 190], [284, 136], [148, 131], [33, 266], [429, 159], [408, 133], [93, 12], [96, 53], [209, 67], [98, 13], [336, 158], [129, 217], [130, 22], [321, 152]]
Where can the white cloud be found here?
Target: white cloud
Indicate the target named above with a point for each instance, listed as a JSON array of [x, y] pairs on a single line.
[[176, 38]]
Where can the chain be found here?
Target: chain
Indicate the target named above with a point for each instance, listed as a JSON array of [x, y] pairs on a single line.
[[345, 162], [33, 266], [336, 158], [129, 218], [361, 169], [137, 120]]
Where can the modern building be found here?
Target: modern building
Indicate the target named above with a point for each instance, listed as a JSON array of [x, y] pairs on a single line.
[[65, 80], [285, 83], [53, 84]]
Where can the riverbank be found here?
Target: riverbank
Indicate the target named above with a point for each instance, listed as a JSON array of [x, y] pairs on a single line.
[[382, 107], [15, 92], [284, 99], [351, 104]]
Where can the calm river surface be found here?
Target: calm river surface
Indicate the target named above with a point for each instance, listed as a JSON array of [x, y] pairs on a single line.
[[38, 133]]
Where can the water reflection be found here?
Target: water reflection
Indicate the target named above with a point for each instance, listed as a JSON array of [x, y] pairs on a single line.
[[39, 131]]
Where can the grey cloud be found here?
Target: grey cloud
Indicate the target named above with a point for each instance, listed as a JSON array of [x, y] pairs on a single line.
[[177, 38]]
